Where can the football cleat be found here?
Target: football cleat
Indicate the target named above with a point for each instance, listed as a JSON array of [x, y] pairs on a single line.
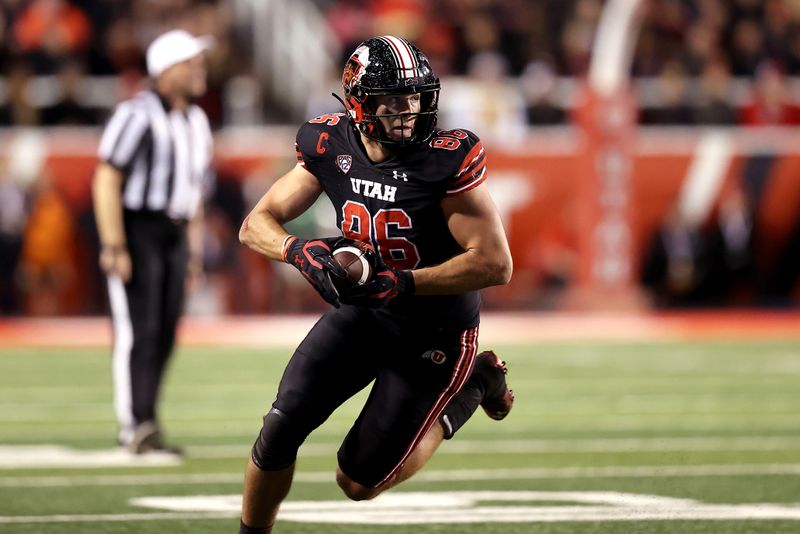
[[497, 399]]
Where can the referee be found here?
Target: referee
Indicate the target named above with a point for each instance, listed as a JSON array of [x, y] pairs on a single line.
[[155, 166]]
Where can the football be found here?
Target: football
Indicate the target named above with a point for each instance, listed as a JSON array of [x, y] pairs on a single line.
[[354, 260]]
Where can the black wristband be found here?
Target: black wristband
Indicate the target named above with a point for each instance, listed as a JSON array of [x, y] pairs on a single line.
[[405, 283]]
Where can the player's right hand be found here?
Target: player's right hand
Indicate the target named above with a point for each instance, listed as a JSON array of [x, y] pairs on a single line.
[[313, 259]]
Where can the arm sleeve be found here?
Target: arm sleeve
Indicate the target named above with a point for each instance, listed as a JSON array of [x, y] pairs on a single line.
[[123, 135], [471, 171]]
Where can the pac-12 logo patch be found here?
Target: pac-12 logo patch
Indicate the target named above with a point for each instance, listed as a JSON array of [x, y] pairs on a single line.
[[344, 161], [436, 356]]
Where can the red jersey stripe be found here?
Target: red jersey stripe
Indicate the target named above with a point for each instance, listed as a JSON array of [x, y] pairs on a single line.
[[471, 158], [478, 180]]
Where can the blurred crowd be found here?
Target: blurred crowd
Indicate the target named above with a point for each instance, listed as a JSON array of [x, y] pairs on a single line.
[[507, 64], [704, 61], [50, 49]]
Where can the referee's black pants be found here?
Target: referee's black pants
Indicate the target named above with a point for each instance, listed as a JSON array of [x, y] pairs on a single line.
[[145, 313]]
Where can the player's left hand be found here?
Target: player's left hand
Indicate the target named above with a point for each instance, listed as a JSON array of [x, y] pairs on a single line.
[[387, 284]]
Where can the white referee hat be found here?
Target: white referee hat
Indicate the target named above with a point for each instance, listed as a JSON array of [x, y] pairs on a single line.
[[172, 48]]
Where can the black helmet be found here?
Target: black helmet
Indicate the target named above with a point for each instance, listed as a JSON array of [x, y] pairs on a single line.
[[389, 65]]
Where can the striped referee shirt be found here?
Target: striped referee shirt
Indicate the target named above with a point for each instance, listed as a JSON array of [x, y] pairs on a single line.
[[164, 155]]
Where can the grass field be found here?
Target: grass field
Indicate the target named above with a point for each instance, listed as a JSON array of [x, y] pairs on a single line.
[[709, 430]]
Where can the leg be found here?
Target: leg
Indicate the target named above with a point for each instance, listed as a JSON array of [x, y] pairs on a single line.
[[263, 493], [146, 298], [418, 458], [486, 387], [135, 308], [331, 364], [397, 431], [172, 291]]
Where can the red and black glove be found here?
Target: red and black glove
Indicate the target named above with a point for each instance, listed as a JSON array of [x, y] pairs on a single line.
[[312, 257], [386, 285]]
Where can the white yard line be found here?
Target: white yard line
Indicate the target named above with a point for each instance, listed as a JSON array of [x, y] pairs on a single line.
[[535, 473], [88, 518], [532, 446], [56, 456], [448, 507]]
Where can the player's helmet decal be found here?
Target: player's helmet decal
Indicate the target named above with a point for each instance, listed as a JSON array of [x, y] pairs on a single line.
[[355, 68], [390, 65]]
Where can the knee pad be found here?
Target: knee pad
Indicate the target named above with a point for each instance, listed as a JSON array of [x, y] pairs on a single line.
[[277, 443]]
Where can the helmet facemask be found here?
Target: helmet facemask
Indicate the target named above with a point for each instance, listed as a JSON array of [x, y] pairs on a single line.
[[422, 121]]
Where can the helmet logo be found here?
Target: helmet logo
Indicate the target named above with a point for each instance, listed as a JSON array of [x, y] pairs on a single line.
[[355, 68], [344, 161]]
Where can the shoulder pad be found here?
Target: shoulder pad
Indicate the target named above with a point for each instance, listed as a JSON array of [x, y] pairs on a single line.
[[315, 134], [468, 159], [329, 119]]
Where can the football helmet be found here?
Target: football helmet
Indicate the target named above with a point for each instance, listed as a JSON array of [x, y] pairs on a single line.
[[389, 65]]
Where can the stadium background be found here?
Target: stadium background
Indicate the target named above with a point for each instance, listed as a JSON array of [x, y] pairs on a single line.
[[713, 213], [650, 328]]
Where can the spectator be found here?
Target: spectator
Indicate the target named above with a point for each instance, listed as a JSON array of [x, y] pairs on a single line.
[[731, 249], [747, 47], [18, 109], [488, 103], [714, 101], [121, 48], [47, 264], [770, 104], [672, 98], [781, 282], [702, 46], [675, 266], [70, 109], [538, 84], [792, 60], [13, 217], [48, 31]]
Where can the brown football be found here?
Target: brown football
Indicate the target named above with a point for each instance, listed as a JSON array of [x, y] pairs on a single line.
[[354, 261]]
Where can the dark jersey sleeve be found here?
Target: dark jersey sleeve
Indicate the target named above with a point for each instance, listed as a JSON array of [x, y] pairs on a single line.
[[470, 158], [311, 143]]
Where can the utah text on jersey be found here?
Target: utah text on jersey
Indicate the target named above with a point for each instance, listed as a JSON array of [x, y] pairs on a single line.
[[372, 189]]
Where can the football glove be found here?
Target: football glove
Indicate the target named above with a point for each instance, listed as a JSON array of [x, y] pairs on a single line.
[[386, 285], [312, 257]]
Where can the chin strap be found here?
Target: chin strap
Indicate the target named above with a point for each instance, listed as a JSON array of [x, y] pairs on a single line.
[[349, 111]]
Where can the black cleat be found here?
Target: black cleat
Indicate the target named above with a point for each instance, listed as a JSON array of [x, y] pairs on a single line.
[[497, 399]]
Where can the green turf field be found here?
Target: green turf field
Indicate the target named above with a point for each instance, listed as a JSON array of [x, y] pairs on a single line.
[[709, 431]]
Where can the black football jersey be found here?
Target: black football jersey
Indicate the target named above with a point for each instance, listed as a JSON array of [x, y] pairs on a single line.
[[396, 204]]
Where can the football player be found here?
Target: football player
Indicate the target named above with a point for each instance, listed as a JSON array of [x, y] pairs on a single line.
[[417, 195]]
